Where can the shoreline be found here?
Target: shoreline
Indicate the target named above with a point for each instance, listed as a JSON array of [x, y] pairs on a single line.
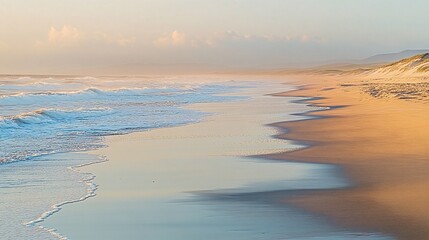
[[349, 206], [91, 191], [392, 203], [112, 190]]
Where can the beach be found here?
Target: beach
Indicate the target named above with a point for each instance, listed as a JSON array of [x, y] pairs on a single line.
[[381, 145], [214, 120], [260, 157], [198, 181]]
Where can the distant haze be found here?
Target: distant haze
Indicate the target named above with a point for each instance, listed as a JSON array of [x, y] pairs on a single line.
[[168, 36], [392, 57]]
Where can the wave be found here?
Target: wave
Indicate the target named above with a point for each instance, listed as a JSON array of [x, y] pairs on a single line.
[[46, 122], [24, 78], [25, 97], [43, 116], [84, 78], [101, 91]]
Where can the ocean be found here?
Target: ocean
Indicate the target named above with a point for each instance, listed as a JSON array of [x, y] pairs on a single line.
[[42, 116], [44, 121]]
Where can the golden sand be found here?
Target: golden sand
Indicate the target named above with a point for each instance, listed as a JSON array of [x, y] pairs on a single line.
[[381, 143]]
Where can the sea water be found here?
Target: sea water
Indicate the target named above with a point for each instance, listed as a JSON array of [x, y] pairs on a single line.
[[45, 116], [44, 120]]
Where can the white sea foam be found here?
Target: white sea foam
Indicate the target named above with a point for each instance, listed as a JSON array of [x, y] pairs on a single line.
[[43, 116], [42, 121], [88, 180]]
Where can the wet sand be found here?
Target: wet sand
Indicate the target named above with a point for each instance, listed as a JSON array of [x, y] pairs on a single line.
[[382, 144]]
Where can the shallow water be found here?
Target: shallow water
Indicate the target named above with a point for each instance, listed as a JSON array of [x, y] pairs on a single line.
[[30, 188]]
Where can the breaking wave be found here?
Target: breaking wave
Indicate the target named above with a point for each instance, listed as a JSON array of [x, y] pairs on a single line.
[[38, 121]]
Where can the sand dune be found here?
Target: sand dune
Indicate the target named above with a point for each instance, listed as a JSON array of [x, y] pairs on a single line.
[[380, 138], [412, 67], [406, 79], [405, 70]]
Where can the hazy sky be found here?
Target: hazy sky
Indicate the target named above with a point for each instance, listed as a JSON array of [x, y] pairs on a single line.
[[121, 36]]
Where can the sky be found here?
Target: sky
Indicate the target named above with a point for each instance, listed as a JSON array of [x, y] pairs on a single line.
[[161, 36]]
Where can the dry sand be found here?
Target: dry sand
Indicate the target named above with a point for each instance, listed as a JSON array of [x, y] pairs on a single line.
[[382, 144]]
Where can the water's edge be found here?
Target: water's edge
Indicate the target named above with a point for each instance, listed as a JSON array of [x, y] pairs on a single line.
[[89, 179]]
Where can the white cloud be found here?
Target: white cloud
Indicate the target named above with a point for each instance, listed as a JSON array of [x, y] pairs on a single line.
[[181, 39], [72, 46], [175, 38], [67, 35]]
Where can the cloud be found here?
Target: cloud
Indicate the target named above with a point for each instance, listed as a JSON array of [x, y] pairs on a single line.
[[69, 47], [175, 38], [180, 39], [71, 38], [67, 35]]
